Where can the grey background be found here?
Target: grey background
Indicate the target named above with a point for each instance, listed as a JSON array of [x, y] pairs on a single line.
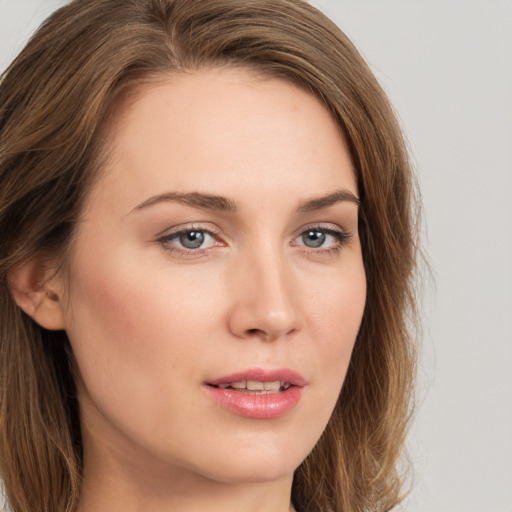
[[447, 67]]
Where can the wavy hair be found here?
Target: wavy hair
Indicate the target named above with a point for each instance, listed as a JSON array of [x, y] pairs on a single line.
[[57, 99]]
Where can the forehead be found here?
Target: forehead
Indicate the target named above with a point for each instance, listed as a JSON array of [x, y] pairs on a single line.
[[206, 130]]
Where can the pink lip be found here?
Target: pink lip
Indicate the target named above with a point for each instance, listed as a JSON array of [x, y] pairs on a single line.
[[258, 406], [283, 374]]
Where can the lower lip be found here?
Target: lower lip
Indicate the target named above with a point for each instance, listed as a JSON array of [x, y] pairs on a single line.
[[258, 406]]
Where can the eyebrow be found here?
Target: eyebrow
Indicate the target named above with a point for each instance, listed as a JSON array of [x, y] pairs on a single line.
[[222, 204], [194, 199], [339, 196]]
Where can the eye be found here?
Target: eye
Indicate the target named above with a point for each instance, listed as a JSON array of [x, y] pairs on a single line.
[[190, 240], [322, 238], [193, 239]]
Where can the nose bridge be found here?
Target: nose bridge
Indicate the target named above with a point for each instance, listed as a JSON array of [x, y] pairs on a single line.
[[264, 303]]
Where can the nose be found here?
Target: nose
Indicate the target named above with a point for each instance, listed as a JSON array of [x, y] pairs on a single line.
[[265, 302]]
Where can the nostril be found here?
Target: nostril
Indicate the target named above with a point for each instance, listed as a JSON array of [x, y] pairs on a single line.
[[258, 333]]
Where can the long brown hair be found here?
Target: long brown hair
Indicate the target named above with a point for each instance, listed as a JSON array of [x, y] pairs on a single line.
[[57, 98]]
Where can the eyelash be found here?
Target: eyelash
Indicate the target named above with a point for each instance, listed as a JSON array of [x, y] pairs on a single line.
[[340, 236], [166, 242]]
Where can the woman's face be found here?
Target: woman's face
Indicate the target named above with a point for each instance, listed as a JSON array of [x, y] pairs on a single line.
[[216, 283]]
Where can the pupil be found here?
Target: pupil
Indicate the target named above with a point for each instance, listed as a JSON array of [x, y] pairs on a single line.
[[192, 239], [313, 238]]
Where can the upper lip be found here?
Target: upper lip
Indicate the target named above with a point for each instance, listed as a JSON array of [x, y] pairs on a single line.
[[262, 375]]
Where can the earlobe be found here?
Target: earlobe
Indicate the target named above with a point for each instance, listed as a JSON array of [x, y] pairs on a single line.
[[39, 293]]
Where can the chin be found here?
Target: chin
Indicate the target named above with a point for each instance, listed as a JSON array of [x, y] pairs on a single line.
[[258, 464], [256, 473]]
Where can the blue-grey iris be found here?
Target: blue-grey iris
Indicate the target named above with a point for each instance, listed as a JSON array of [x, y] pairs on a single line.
[[192, 239], [313, 238]]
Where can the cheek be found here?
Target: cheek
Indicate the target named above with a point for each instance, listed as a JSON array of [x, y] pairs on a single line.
[[333, 319], [334, 314], [107, 306], [138, 319], [336, 309], [133, 333]]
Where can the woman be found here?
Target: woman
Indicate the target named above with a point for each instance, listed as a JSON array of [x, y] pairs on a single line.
[[206, 262]]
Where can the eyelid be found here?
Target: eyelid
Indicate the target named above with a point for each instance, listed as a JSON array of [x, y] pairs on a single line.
[[323, 226], [207, 227], [341, 235], [164, 240]]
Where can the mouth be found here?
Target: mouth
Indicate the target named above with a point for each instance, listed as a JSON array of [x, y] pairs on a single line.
[[255, 387], [258, 393]]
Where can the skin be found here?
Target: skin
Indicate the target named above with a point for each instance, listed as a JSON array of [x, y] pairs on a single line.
[[150, 322]]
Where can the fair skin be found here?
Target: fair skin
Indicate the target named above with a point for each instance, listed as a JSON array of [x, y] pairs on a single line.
[[204, 251]]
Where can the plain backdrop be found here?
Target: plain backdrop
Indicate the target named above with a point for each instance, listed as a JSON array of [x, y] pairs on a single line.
[[447, 67]]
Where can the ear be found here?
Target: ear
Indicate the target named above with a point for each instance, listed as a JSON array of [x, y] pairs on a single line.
[[39, 292]]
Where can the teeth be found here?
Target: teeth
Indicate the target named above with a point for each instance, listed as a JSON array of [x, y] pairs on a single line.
[[272, 386], [255, 385]]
